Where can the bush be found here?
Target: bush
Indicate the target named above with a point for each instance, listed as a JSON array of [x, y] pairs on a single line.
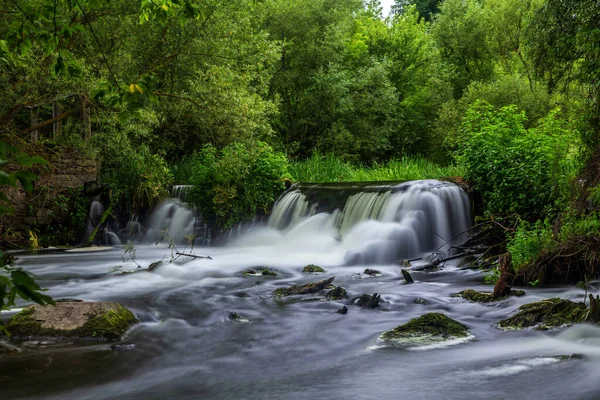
[[234, 184], [517, 170], [528, 242], [139, 176]]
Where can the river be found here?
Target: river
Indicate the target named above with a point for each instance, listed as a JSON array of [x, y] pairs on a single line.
[[291, 348]]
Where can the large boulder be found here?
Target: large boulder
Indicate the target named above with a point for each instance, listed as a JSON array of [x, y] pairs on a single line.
[[546, 314], [77, 320], [425, 330]]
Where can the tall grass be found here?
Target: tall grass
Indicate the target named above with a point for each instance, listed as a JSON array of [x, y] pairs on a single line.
[[329, 168]]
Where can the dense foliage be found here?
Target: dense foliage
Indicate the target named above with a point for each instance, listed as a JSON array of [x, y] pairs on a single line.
[[238, 182], [517, 170]]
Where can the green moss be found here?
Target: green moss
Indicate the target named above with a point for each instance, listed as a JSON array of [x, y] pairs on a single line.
[[484, 297], [307, 288], [312, 269], [546, 314], [22, 324], [432, 324], [260, 271], [109, 325], [338, 293]]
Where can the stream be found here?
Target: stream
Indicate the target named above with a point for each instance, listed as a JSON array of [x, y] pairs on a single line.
[[298, 347]]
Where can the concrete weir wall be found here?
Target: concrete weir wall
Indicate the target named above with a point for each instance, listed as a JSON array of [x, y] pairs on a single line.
[[57, 183]]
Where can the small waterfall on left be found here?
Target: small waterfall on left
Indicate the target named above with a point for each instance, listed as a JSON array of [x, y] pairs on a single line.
[[94, 215], [174, 220]]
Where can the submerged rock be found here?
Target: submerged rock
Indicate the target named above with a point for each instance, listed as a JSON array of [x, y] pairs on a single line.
[[343, 310], [312, 269], [368, 301], [546, 314], [372, 272], [79, 320], [337, 294], [308, 288], [260, 271], [407, 277], [6, 347], [427, 329], [485, 297], [233, 316]]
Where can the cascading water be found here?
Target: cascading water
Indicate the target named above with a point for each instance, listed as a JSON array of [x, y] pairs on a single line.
[[94, 215], [377, 224], [369, 223]]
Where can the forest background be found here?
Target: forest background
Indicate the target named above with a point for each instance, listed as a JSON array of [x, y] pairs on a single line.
[[235, 97]]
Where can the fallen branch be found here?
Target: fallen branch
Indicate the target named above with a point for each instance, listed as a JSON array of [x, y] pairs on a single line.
[[192, 255]]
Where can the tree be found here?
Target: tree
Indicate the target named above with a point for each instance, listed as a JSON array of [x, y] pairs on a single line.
[[460, 30], [563, 40]]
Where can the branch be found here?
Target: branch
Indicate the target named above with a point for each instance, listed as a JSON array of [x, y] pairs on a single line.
[[53, 120], [192, 255]]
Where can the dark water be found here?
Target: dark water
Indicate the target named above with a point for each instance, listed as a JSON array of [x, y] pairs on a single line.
[[185, 347]]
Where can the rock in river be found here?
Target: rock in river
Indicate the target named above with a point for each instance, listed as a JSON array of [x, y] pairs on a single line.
[[485, 297], [425, 330], [313, 269], [79, 320], [312, 287], [546, 314]]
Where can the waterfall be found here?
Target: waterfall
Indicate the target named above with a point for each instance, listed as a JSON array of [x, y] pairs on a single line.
[[181, 192], [379, 224], [94, 215]]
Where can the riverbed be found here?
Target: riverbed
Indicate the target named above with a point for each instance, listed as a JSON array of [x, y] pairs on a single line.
[[292, 348]]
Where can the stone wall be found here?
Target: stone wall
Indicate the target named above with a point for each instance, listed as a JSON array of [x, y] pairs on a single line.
[[58, 185]]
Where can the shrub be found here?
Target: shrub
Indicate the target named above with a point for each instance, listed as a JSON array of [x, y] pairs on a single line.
[[517, 170], [528, 242], [141, 177], [234, 184]]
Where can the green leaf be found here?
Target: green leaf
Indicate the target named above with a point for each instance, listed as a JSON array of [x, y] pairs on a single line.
[[26, 178], [26, 160], [58, 66]]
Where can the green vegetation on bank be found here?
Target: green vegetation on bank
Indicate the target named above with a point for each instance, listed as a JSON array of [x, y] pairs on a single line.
[[330, 168]]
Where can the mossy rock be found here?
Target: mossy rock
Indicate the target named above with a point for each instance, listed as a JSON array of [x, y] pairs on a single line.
[[261, 271], [338, 293], [308, 288], [312, 269], [485, 297], [75, 320], [546, 314], [372, 272], [427, 329]]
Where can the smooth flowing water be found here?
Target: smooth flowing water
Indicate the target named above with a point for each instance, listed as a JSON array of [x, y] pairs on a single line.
[[295, 348]]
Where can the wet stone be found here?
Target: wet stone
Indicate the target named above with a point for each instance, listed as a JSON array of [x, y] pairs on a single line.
[[546, 314], [261, 272], [485, 297], [312, 269], [343, 310], [372, 272], [78, 320], [307, 288], [368, 301], [427, 329], [337, 294], [233, 316], [6, 347]]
